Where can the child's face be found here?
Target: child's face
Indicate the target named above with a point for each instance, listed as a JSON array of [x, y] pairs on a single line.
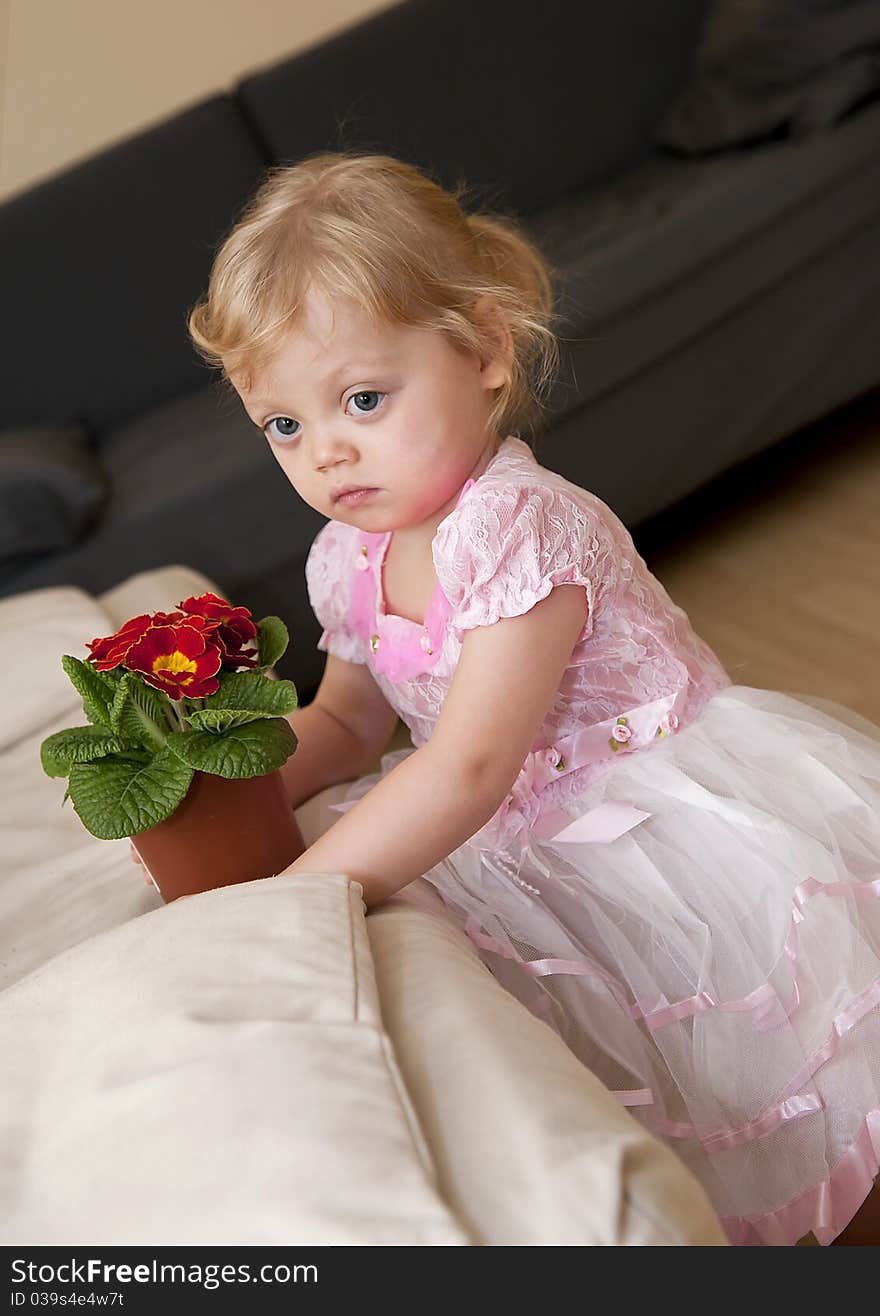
[[411, 426]]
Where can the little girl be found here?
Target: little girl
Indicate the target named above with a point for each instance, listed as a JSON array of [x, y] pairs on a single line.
[[679, 874]]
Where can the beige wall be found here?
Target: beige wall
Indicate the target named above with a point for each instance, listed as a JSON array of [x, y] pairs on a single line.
[[78, 75]]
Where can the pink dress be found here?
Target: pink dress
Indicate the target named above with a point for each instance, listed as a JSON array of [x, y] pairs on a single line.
[[684, 881]]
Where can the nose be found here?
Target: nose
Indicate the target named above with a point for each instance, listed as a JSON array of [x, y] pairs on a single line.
[[329, 450]]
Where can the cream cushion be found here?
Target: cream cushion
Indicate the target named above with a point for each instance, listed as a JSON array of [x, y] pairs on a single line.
[[265, 1063], [214, 1072]]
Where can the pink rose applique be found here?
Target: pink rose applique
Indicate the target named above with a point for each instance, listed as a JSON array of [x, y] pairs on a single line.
[[667, 724], [620, 734]]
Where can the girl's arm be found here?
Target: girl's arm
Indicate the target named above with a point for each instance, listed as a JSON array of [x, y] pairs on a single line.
[[437, 798], [327, 753], [341, 732]]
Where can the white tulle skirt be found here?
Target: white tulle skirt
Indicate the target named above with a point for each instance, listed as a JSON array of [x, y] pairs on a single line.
[[718, 966]]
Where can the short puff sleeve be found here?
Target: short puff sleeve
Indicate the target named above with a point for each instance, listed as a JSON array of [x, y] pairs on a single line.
[[329, 577], [505, 548]]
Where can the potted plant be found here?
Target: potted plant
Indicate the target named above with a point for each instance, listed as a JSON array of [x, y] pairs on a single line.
[[184, 750]]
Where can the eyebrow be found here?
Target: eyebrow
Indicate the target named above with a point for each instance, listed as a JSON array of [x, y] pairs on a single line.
[[267, 405]]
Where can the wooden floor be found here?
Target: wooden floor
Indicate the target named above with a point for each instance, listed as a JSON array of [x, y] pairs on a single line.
[[778, 566], [777, 563]]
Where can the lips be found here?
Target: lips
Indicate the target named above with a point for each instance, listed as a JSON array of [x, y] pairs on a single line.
[[351, 489]]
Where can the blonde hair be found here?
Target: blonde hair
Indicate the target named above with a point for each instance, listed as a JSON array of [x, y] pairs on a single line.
[[380, 232]]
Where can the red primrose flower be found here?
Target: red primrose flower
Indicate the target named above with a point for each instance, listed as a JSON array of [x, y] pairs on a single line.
[[180, 653]]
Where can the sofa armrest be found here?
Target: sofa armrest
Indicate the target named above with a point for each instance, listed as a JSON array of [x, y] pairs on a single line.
[[530, 1147]]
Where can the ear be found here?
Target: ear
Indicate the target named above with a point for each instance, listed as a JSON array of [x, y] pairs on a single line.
[[496, 366]]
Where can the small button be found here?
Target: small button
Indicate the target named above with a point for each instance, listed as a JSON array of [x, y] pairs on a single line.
[[425, 642]]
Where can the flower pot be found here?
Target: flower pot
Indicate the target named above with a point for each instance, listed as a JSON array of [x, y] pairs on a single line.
[[223, 831]]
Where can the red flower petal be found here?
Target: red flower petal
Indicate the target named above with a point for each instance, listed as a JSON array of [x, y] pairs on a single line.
[[238, 621], [177, 660], [108, 651]]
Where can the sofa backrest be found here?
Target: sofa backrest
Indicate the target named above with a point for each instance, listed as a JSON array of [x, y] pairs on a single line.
[[525, 101], [100, 264]]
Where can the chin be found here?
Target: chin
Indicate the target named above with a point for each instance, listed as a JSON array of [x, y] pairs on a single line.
[[362, 518]]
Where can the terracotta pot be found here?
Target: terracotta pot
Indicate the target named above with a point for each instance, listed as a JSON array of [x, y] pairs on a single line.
[[223, 831]]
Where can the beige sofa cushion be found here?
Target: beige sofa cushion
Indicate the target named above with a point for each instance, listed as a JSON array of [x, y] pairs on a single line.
[[530, 1147], [213, 1072]]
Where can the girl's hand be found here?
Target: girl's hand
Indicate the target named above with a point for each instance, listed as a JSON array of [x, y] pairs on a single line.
[[137, 860]]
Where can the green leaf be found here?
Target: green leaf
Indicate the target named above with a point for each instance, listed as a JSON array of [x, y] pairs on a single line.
[[246, 694], [137, 713], [59, 752], [273, 639], [91, 714], [246, 751], [117, 797], [97, 688], [220, 720]]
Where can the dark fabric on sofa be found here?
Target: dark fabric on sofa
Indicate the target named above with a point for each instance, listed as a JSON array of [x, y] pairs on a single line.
[[193, 482], [772, 67], [656, 258], [52, 487], [523, 102], [99, 263], [802, 347]]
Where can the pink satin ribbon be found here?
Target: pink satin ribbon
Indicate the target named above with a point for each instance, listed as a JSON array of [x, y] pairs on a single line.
[[770, 1011], [713, 1139], [600, 825], [526, 810], [802, 893], [790, 1104], [721, 1139], [826, 1208]]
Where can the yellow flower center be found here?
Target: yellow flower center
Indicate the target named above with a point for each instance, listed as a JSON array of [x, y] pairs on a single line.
[[173, 662]]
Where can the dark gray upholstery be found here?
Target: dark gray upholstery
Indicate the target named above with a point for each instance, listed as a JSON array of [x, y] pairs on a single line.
[[522, 103], [193, 482], [729, 298], [709, 307], [99, 263], [765, 65], [52, 487]]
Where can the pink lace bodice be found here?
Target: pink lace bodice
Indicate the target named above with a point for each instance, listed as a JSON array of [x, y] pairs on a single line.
[[517, 531]]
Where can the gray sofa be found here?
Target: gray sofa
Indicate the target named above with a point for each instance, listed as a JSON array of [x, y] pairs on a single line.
[[711, 303]]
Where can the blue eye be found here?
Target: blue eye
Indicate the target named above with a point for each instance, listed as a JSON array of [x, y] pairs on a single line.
[[287, 420], [282, 420], [367, 393]]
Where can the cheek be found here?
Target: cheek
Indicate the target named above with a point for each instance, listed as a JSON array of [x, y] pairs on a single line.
[[289, 468], [283, 461]]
